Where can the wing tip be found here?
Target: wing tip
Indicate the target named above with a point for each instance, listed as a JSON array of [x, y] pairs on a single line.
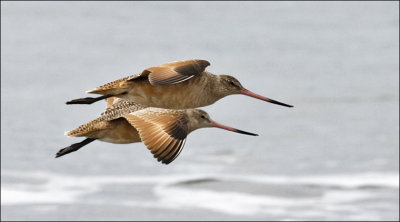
[[204, 62]]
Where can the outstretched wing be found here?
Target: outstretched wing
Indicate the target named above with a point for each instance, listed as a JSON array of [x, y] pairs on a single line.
[[164, 133], [174, 72]]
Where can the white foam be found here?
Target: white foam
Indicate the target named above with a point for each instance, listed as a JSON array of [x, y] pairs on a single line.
[[239, 203], [226, 202], [59, 188], [341, 180], [339, 191], [12, 196]]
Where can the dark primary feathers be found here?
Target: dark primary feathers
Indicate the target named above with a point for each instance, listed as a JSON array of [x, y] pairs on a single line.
[[164, 134], [175, 72]]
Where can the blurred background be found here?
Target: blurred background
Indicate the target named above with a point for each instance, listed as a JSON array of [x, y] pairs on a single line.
[[334, 156]]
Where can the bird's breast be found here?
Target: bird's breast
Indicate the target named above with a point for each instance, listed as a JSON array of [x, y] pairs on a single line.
[[189, 94]]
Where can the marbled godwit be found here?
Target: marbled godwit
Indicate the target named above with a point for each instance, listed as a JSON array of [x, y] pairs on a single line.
[[163, 131], [175, 85]]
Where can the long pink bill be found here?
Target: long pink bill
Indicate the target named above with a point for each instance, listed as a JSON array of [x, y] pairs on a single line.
[[249, 93], [214, 124]]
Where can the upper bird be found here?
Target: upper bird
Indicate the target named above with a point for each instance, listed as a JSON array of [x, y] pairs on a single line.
[[163, 131], [175, 85]]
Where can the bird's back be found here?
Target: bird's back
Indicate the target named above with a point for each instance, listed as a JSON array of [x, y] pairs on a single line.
[[105, 121]]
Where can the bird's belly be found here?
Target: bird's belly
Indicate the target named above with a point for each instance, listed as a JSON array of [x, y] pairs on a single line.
[[121, 132], [177, 96]]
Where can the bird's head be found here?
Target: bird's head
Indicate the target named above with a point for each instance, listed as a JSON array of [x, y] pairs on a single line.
[[229, 85], [200, 119]]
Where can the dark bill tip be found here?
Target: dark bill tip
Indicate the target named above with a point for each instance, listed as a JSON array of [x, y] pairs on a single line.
[[214, 124], [247, 133], [251, 94], [279, 103]]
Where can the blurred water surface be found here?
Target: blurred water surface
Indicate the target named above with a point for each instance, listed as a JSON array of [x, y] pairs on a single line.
[[334, 156]]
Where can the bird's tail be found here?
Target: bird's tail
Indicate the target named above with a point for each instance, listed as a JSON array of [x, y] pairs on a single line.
[[88, 129]]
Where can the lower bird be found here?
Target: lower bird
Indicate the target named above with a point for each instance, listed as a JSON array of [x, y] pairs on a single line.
[[163, 131]]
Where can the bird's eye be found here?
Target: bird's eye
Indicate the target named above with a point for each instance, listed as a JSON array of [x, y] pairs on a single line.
[[232, 84], [203, 117]]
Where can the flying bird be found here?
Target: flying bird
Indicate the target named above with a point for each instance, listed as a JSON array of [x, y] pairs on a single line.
[[175, 85], [163, 131]]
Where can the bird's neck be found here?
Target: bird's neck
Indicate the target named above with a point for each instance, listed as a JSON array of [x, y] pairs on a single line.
[[211, 88]]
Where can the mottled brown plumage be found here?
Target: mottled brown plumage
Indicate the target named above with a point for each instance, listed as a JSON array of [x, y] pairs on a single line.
[[163, 131], [175, 85]]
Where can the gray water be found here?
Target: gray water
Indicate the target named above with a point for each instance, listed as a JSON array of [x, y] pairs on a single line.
[[334, 156]]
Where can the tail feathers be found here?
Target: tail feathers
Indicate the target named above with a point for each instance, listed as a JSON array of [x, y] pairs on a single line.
[[88, 129], [116, 86], [74, 147]]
